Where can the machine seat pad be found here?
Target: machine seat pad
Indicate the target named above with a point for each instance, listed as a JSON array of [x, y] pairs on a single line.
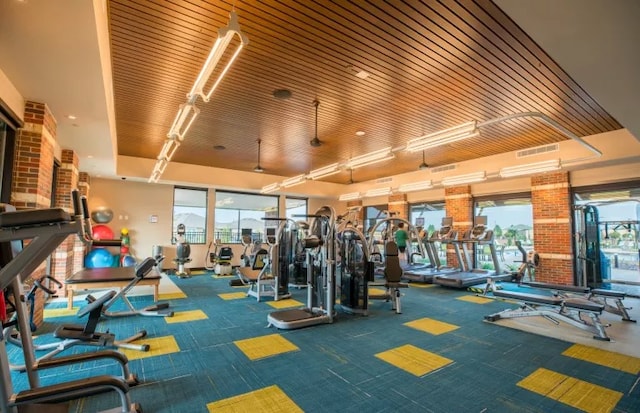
[[34, 217], [249, 274], [86, 386], [105, 275], [396, 285], [584, 304], [529, 298], [608, 293], [559, 287]]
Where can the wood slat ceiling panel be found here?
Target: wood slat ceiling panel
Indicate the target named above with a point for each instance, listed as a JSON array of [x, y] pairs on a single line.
[[433, 65]]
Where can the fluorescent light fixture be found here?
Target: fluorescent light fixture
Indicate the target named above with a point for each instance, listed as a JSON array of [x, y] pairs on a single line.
[[378, 191], [158, 170], [270, 188], [443, 137], [325, 171], [415, 186], [225, 35], [296, 180], [464, 179], [370, 158], [349, 197], [530, 168], [187, 111], [169, 149]]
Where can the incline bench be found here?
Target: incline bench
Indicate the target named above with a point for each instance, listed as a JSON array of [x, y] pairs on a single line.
[[568, 310], [107, 278]]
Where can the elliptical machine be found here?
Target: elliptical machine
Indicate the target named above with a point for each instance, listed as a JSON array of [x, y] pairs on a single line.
[[183, 251]]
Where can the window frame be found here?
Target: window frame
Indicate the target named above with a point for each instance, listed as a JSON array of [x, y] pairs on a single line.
[[195, 239], [237, 238]]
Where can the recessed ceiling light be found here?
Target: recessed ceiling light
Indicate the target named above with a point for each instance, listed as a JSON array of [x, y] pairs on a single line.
[[363, 74], [90, 156], [72, 117], [282, 94], [219, 147], [360, 133]]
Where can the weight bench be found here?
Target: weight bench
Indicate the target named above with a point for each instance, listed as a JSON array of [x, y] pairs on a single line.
[[554, 309], [141, 272], [123, 278], [597, 295]]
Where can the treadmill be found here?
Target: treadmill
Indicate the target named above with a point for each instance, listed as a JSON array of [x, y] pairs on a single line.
[[479, 235], [445, 235]]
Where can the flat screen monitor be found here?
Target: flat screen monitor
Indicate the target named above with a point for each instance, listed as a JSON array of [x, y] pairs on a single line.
[[447, 221], [481, 220], [271, 232], [246, 232]]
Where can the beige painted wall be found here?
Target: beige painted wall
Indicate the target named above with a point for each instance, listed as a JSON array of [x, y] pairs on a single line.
[[133, 203]]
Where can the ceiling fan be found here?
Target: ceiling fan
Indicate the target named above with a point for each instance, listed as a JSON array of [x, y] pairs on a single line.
[[258, 168], [315, 142], [423, 165]]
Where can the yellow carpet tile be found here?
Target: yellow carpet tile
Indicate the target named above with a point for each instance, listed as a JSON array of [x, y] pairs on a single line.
[[265, 346], [268, 400], [576, 393], [184, 316], [232, 296], [157, 347], [414, 360], [431, 326], [420, 285], [475, 299], [59, 312], [605, 358], [289, 303], [172, 296]]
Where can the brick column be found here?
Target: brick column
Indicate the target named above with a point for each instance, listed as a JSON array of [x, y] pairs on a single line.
[[459, 206], [551, 199], [398, 206], [62, 266], [34, 153], [32, 172]]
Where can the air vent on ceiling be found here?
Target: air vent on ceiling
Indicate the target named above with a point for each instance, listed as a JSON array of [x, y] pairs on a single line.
[[554, 147], [383, 180], [443, 168]]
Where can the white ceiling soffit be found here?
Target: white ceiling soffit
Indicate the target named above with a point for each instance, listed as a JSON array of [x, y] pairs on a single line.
[[50, 52], [595, 41]]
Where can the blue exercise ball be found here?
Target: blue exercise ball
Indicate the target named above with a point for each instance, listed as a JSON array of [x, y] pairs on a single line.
[[128, 261], [98, 258]]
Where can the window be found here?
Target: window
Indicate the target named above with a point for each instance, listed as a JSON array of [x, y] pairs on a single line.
[[607, 249], [190, 209], [374, 214], [296, 206], [510, 217], [7, 145], [427, 216], [236, 211]]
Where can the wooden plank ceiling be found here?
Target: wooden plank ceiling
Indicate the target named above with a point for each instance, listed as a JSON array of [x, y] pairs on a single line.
[[432, 65]]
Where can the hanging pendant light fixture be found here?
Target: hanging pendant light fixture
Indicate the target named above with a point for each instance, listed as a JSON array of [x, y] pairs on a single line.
[[258, 168], [315, 142], [423, 165]]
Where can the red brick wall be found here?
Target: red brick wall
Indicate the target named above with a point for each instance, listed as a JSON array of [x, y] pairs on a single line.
[[459, 206], [34, 156], [33, 172], [398, 206], [552, 215], [63, 264]]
